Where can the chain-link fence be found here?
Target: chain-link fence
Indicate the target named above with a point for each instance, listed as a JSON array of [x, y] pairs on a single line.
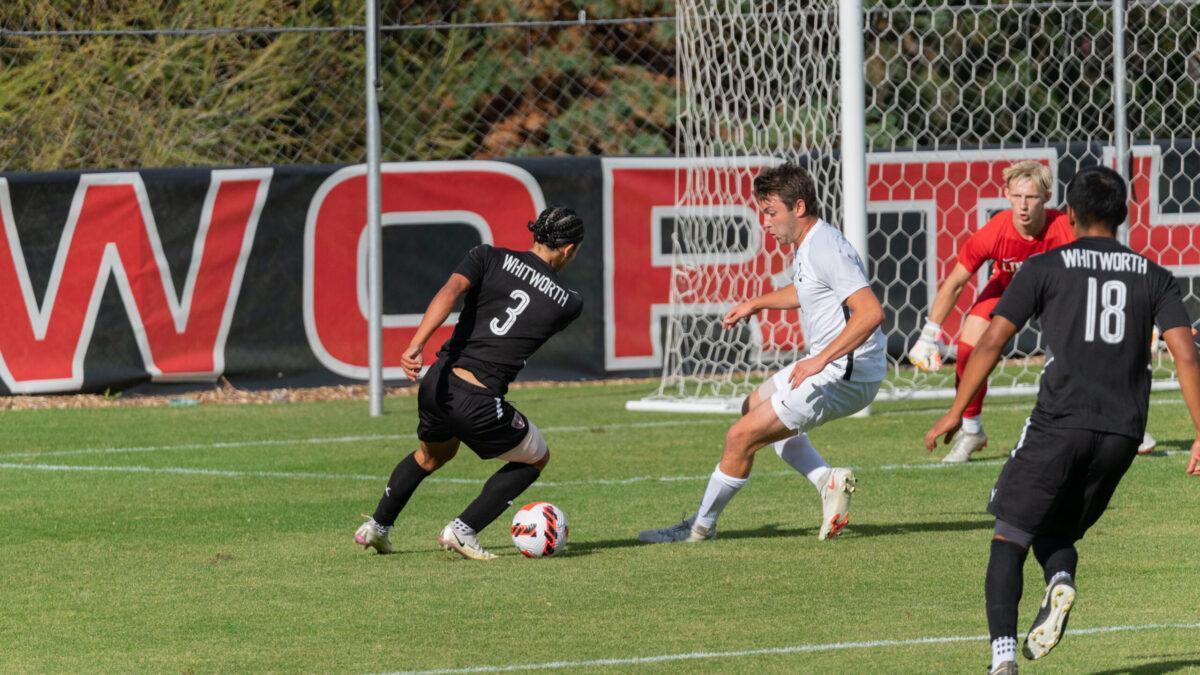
[[257, 86]]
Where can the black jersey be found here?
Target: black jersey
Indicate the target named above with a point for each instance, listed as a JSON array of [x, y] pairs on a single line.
[[1098, 302], [516, 302]]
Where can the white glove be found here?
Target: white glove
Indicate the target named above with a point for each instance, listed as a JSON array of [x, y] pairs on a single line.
[[926, 352]]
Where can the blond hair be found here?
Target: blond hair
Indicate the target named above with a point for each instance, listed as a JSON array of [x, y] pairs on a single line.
[[1031, 169]]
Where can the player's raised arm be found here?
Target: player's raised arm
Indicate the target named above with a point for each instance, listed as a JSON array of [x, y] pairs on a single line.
[[1187, 368], [780, 298], [435, 315], [983, 360], [926, 352]]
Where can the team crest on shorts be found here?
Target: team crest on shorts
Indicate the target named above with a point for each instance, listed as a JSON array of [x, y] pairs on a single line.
[[518, 421]]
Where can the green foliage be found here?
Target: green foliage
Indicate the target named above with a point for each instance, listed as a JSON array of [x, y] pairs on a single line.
[[943, 76]]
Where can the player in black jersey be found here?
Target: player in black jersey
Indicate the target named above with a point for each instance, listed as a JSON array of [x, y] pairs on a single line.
[[513, 302], [1097, 302]]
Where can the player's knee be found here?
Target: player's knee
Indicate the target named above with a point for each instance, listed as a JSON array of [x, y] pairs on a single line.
[[531, 450], [738, 441], [432, 458], [1011, 533]]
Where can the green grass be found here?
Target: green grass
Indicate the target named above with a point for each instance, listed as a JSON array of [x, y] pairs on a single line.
[[154, 571]]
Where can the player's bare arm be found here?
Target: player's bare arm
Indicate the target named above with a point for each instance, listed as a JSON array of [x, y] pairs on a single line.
[[983, 360], [866, 314], [925, 353], [782, 298], [435, 315], [1187, 368]]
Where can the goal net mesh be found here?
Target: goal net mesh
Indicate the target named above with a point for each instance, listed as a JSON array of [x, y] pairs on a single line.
[[954, 94]]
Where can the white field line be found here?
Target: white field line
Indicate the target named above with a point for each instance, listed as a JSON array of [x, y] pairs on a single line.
[[228, 473], [320, 440], [313, 475], [772, 651]]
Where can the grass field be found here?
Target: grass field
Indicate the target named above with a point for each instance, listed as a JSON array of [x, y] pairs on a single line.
[[219, 538]]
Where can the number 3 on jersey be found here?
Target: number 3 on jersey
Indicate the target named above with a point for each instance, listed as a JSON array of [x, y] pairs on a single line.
[[1112, 311], [522, 299]]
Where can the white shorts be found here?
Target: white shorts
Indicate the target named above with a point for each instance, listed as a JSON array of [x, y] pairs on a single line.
[[819, 399]]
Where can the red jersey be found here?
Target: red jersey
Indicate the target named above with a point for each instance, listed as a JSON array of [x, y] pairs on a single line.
[[1000, 241]]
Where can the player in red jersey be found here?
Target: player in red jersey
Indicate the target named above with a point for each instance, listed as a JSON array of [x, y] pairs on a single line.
[[1008, 239]]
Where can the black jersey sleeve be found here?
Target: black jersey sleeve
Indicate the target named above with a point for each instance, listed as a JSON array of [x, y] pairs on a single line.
[[1023, 297], [1169, 311], [474, 264], [572, 314]]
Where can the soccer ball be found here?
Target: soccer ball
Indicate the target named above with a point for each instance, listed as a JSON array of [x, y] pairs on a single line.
[[539, 529]]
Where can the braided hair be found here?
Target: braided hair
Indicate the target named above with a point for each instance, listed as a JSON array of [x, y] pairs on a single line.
[[556, 227]]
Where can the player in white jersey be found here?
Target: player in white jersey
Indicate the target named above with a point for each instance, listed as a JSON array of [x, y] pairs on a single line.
[[839, 377]]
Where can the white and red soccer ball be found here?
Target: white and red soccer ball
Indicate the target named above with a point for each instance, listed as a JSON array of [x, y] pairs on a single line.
[[539, 529]]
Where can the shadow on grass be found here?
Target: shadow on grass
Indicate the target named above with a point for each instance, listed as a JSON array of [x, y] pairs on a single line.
[[772, 531], [1156, 667]]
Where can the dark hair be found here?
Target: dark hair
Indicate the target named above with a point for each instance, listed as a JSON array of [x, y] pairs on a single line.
[[790, 183], [1097, 196], [556, 227]]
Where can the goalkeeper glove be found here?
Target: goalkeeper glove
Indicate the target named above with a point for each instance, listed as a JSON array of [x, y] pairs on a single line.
[[926, 352]]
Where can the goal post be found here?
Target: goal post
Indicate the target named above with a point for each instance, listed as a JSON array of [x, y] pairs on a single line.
[[950, 95]]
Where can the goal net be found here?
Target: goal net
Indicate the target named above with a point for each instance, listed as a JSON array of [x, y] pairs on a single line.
[[954, 94]]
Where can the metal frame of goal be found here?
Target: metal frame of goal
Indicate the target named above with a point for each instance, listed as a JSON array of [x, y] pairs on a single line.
[[906, 117]]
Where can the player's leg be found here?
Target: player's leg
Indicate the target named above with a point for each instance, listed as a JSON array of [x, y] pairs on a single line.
[[972, 438], [1108, 458], [1025, 501], [499, 431], [818, 400], [797, 450], [1002, 588], [406, 476], [757, 428]]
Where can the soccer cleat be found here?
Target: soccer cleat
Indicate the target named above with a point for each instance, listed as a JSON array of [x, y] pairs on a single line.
[[965, 446], [835, 502], [686, 530], [466, 545], [373, 535], [1148, 444], [1051, 620], [1005, 668]]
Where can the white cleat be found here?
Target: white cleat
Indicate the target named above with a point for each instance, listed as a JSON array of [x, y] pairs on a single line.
[[965, 446], [686, 530], [835, 502], [373, 535], [466, 545], [1051, 621], [1148, 444]]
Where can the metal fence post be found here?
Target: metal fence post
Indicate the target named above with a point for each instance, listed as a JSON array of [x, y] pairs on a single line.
[[374, 230]]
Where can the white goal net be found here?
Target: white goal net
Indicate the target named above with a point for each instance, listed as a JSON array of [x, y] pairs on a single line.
[[954, 94]]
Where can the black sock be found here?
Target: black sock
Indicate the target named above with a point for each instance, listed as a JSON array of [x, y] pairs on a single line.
[[498, 494], [1003, 586], [404, 481], [1055, 555]]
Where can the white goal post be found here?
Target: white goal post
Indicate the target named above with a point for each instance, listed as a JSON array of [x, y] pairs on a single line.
[[906, 132]]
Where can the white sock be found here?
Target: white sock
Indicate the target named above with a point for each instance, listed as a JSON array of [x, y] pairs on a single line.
[[462, 527], [1060, 576], [973, 425], [799, 452], [1003, 649], [720, 490]]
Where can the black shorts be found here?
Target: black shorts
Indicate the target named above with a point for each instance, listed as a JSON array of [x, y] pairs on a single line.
[[1059, 481], [450, 407]]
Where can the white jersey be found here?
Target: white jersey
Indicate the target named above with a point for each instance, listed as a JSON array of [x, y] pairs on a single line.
[[825, 271]]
